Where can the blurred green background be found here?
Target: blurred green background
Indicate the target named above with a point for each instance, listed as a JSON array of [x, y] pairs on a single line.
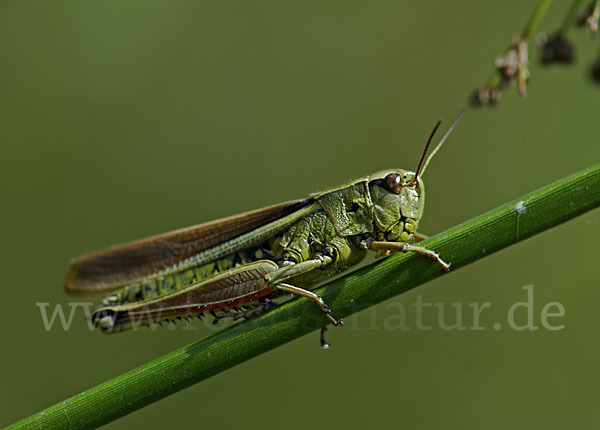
[[126, 119]]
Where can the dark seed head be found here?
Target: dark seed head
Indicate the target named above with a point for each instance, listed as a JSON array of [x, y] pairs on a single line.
[[595, 71], [478, 97], [484, 96], [582, 17], [557, 49]]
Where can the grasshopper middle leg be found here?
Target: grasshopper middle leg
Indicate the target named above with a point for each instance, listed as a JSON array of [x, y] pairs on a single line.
[[278, 277]]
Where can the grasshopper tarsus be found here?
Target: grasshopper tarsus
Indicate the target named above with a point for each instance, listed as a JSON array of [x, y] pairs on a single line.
[[324, 343], [336, 323], [330, 317]]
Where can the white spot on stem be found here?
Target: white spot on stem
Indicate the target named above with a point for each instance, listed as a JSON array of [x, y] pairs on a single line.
[[520, 208]]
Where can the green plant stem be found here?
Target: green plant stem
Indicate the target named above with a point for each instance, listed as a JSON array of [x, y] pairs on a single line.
[[569, 17], [535, 19], [595, 16], [460, 245]]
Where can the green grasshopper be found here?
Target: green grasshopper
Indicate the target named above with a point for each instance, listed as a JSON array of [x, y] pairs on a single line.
[[236, 264]]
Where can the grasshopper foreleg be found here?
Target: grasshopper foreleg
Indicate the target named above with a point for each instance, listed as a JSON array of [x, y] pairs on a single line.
[[420, 237], [407, 247]]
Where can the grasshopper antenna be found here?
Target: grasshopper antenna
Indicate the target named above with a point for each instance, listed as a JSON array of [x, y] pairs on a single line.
[[439, 145], [437, 125]]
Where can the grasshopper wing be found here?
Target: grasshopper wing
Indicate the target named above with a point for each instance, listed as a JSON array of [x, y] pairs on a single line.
[[122, 264]]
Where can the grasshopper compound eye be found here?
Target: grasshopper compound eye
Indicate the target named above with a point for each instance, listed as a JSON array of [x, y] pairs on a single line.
[[393, 183]]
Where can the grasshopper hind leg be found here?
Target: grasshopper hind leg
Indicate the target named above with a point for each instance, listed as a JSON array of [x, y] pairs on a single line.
[[263, 305]]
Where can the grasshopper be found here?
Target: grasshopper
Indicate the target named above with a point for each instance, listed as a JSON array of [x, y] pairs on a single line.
[[235, 265]]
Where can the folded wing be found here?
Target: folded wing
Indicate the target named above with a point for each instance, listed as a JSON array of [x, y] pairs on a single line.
[[130, 262]]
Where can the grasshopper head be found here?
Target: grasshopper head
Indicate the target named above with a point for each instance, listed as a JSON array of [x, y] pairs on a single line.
[[399, 195], [398, 200]]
